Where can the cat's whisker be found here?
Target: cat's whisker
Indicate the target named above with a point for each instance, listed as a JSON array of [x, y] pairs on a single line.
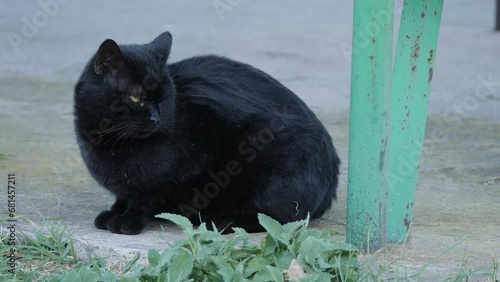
[[116, 128], [118, 136], [115, 139], [109, 131], [122, 137], [175, 136], [127, 135]]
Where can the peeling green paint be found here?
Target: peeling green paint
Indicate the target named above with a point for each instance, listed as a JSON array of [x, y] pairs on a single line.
[[388, 115], [422, 21], [369, 123]]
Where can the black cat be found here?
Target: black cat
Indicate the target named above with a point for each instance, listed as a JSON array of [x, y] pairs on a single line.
[[207, 137]]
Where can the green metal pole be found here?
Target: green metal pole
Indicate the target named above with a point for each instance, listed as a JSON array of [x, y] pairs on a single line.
[[411, 81], [497, 25], [369, 123]]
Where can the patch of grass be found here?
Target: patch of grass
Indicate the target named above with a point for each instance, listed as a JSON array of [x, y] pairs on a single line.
[[387, 265], [289, 252], [48, 251], [3, 156], [468, 273]]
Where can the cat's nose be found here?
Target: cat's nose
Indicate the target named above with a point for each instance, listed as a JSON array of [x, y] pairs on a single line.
[[154, 119]]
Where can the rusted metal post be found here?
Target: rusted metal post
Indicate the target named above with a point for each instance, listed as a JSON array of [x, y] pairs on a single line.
[[411, 82], [369, 123]]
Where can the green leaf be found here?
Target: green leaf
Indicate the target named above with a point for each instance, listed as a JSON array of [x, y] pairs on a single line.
[[313, 233], [341, 253], [153, 257], [220, 262], [254, 266], [269, 273], [108, 276], [240, 232], [180, 221], [296, 225], [284, 259], [262, 276], [324, 264], [303, 235], [203, 227], [87, 275], [224, 269], [165, 257], [313, 277], [239, 236], [275, 273], [238, 277], [71, 276], [240, 268], [181, 266], [55, 279], [227, 273], [269, 246], [345, 247], [243, 253], [311, 249], [210, 237], [325, 277], [272, 226], [204, 252]]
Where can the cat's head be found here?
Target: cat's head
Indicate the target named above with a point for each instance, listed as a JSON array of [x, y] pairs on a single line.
[[126, 90]]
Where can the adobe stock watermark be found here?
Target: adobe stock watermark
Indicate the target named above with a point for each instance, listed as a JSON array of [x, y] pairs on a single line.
[[454, 117], [222, 7], [362, 37], [248, 149], [32, 25]]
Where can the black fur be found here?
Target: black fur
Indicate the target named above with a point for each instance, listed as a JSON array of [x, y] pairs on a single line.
[[204, 137]]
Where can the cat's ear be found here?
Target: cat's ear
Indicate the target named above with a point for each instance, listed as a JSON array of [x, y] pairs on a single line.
[[109, 58], [160, 46]]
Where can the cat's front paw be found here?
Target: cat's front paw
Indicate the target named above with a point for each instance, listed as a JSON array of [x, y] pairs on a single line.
[[103, 219], [123, 224]]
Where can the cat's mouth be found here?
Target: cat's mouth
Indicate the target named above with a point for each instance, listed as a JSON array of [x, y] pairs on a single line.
[[143, 131], [142, 134]]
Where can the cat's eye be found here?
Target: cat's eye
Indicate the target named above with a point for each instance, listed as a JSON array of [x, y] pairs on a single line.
[[134, 99]]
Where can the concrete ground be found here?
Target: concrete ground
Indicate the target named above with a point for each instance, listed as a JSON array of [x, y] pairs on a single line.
[[301, 43]]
